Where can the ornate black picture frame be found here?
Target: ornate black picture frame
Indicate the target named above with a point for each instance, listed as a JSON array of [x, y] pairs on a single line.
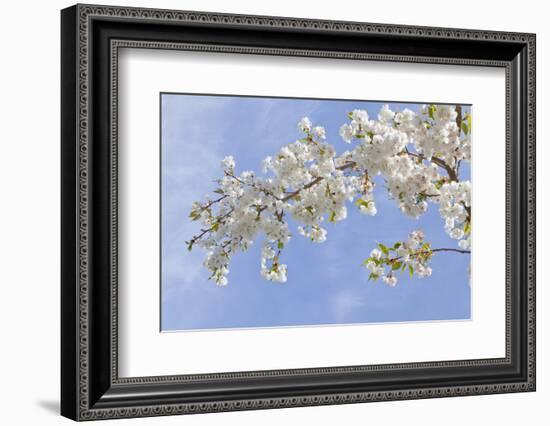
[[91, 387]]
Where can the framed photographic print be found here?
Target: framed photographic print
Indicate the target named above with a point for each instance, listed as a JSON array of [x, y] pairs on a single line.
[[263, 212]]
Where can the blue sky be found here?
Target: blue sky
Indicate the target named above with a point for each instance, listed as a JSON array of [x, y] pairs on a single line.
[[326, 282]]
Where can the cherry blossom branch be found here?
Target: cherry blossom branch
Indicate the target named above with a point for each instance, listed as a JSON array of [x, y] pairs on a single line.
[[315, 181], [436, 250], [453, 174], [265, 191], [250, 205], [438, 161], [413, 254]]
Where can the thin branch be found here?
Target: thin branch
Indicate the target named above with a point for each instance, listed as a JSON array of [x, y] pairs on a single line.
[[420, 252], [206, 206], [453, 174], [315, 181], [458, 110], [468, 210], [265, 191], [436, 160], [207, 230], [451, 249]]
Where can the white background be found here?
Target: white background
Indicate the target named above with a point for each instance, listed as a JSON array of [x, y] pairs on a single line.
[[29, 225], [146, 352]]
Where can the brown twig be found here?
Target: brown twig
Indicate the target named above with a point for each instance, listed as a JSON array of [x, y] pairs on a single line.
[[420, 252], [436, 160], [315, 181]]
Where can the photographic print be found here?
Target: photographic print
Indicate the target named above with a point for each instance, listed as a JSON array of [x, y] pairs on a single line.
[[279, 212], [297, 194]]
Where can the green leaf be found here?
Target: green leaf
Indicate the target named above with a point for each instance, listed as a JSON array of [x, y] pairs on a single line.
[[280, 245], [377, 262], [467, 227], [411, 271], [309, 209], [397, 245], [195, 215], [215, 227], [373, 276], [396, 265], [384, 249], [431, 110], [219, 191], [360, 202], [332, 217], [403, 267], [464, 127], [350, 115], [469, 120]]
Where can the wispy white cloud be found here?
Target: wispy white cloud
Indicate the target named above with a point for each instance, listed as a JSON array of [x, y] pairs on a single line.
[[346, 302], [188, 167]]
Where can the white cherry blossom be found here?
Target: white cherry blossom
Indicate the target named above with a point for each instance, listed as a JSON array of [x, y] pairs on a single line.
[[417, 155]]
